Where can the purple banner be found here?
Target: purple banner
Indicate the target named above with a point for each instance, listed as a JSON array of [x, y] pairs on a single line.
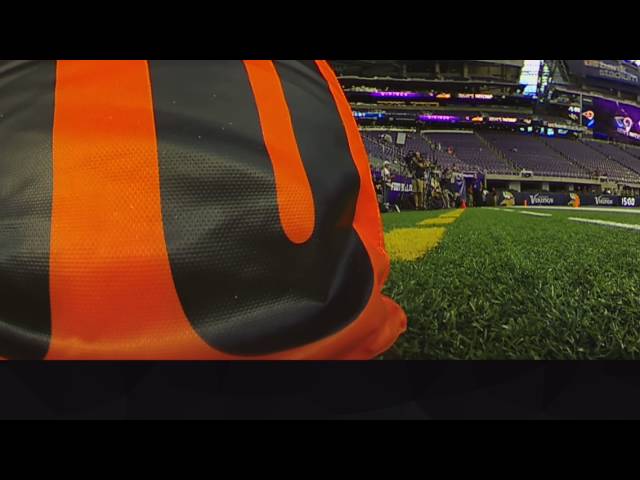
[[610, 200], [396, 95], [401, 186], [439, 118], [509, 198]]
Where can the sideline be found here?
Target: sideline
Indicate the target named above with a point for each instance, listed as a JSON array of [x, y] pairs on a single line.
[[537, 214], [630, 226], [584, 209]]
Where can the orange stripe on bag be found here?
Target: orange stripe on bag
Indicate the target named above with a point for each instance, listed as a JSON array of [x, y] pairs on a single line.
[[295, 200], [112, 292]]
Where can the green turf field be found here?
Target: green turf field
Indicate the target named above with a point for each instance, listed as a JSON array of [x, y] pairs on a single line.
[[503, 285]]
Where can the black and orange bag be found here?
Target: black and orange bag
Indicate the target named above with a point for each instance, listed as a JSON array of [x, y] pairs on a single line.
[[187, 210]]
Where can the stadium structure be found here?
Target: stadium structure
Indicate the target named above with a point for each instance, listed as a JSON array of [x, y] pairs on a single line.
[[528, 125], [549, 269]]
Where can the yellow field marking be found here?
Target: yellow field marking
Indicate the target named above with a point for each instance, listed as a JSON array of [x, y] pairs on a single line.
[[412, 243], [453, 214], [445, 219], [438, 221]]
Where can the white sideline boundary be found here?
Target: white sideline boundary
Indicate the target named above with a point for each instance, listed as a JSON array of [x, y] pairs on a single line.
[[502, 209], [537, 214], [583, 209], [508, 209], [630, 226]]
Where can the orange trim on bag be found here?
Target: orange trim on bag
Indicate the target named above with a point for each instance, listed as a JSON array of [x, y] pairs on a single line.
[[295, 200], [383, 320]]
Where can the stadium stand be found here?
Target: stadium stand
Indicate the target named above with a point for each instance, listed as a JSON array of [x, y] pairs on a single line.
[[381, 150], [580, 155], [422, 144], [620, 164], [469, 151], [525, 123], [533, 154], [508, 153], [633, 150], [472, 151]]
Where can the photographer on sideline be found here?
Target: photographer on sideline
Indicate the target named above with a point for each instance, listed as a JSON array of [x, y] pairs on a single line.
[[386, 185], [418, 169]]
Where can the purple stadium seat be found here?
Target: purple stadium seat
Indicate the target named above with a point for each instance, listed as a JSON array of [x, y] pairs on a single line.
[[508, 153]]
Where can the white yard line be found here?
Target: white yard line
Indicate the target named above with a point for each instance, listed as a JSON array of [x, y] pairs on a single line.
[[535, 213], [584, 209], [503, 209], [604, 222]]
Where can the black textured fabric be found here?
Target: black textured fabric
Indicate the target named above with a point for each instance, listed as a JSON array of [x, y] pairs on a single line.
[[27, 91], [245, 288]]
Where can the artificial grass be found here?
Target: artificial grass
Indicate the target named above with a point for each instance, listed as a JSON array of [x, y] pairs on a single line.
[[409, 218], [512, 286]]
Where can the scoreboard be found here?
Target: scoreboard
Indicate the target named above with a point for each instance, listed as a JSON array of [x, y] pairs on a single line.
[[616, 120]]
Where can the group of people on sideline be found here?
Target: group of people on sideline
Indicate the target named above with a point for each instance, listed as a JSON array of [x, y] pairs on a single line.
[[432, 186]]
